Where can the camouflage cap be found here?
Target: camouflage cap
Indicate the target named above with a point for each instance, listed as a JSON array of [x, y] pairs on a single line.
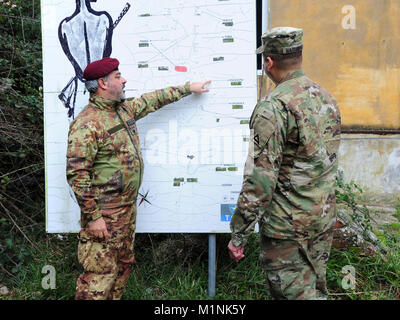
[[281, 40]]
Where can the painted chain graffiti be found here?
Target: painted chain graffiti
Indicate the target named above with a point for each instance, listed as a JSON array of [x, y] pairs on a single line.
[[85, 36]]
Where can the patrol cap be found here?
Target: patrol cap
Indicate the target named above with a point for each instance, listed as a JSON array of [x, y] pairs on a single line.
[[281, 40], [100, 68]]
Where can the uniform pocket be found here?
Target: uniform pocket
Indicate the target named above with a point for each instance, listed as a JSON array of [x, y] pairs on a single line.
[[276, 254], [83, 251], [97, 257], [110, 185]]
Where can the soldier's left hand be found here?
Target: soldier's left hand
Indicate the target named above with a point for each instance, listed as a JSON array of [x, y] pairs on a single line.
[[98, 229], [199, 87], [236, 253]]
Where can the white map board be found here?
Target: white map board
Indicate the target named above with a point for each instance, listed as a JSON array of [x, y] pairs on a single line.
[[194, 150]]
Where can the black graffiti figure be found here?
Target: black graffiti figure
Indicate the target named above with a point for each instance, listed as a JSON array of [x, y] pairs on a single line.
[[85, 36]]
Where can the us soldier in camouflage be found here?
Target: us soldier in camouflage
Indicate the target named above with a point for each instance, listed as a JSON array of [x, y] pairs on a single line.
[[105, 170], [289, 174]]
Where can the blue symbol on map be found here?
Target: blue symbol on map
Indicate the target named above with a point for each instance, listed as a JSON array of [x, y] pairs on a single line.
[[227, 210]]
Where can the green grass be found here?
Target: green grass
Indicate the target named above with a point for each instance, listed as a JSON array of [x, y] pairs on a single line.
[[175, 266], [377, 277], [174, 273], [397, 214], [61, 254]]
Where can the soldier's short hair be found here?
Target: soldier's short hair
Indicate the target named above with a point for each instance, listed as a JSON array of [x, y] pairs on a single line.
[[92, 85], [285, 61]]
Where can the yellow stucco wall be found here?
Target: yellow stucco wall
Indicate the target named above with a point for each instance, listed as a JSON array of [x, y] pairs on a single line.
[[360, 66]]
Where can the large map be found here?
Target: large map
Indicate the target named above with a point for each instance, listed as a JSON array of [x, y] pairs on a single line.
[[194, 150]]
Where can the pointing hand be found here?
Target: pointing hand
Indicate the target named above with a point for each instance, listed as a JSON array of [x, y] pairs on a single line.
[[199, 87]]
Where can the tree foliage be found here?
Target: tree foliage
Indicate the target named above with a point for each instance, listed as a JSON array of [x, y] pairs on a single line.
[[21, 133]]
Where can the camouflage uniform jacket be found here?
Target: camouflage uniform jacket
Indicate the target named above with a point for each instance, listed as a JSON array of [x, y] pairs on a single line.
[[104, 160], [290, 171]]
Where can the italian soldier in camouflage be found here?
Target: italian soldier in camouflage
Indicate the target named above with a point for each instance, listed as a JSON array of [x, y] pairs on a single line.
[[289, 174], [105, 170]]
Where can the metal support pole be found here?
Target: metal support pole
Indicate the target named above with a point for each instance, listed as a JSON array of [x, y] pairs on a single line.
[[266, 16], [265, 21], [211, 264]]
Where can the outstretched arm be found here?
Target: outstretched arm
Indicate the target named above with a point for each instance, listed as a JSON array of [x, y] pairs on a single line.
[[150, 102]]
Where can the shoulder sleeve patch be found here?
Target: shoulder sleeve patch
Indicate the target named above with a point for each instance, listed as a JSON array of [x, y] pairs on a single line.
[[261, 110], [267, 114]]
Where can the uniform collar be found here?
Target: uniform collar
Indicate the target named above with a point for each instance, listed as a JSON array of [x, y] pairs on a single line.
[[102, 103], [292, 75]]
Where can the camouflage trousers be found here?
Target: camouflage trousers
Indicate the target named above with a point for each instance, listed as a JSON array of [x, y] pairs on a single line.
[[296, 270], [107, 267]]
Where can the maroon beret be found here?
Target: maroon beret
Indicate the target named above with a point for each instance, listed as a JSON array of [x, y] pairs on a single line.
[[100, 68]]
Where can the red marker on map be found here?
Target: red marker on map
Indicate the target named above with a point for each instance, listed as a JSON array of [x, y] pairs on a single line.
[[180, 69]]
